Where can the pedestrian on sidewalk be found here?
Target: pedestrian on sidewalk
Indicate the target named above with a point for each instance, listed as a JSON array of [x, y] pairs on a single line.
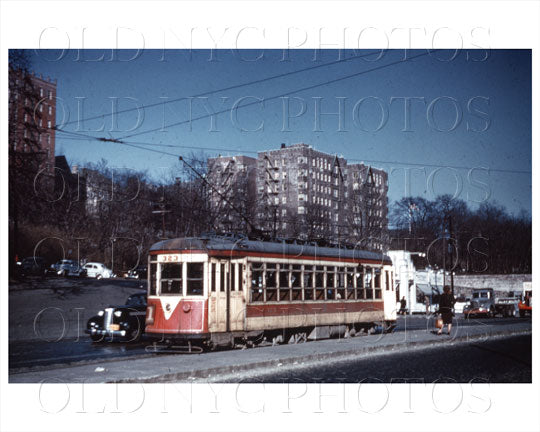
[[446, 309], [403, 310], [426, 301]]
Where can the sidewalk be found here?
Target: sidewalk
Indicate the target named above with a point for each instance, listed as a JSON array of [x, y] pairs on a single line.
[[184, 368]]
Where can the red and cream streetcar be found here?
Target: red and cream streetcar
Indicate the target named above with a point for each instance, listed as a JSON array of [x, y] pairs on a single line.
[[228, 290]]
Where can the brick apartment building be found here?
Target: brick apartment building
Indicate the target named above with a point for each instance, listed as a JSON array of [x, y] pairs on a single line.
[[32, 114], [233, 179], [303, 193]]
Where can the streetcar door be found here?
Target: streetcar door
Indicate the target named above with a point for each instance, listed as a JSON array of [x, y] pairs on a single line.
[[236, 295], [218, 296]]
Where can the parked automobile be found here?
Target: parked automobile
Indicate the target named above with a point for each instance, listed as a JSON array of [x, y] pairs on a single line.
[[97, 270], [32, 266], [460, 304], [139, 272], [67, 267], [482, 303], [124, 322]]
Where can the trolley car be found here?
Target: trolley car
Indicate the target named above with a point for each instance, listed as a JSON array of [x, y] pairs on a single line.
[[225, 291]]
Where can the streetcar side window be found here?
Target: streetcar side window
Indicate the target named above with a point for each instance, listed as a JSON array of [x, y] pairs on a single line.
[[296, 282], [284, 282], [378, 291], [153, 279], [257, 271], [349, 283], [341, 284], [308, 282], [171, 279], [271, 282], [368, 276], [360, 283], [195, 284], [319, 283], [330, 278]]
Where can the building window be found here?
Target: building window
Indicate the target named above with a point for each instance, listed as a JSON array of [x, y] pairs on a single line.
[[50, 95], [301, 210], [284, 212], [49, 125], [40, 107], [283, 200], [50, 110], [40, 92]]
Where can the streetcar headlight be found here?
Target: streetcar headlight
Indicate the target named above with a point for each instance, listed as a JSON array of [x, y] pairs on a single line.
[[118, 313], [101, 313]]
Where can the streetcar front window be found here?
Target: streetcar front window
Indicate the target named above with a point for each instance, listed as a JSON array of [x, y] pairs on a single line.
[[195, 273], [171, 279], [153, 279]]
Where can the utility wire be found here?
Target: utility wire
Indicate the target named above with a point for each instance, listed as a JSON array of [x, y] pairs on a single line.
[[233, 87], [346, 77], [138, 145]]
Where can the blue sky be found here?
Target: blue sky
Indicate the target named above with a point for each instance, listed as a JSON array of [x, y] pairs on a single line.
[[468, 112]]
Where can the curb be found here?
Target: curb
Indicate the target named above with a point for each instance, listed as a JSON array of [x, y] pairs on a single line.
[[340, 355]]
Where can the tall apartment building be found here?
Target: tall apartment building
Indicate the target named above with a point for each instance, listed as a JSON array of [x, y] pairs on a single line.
[[32, 114], [232, 180], [307, 194]]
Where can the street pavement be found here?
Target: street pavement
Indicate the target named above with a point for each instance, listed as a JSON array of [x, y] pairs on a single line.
[[412, 336], [498, 360]]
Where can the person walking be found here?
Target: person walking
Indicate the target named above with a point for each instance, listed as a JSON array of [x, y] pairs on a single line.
[[446, 306], [403, 303]]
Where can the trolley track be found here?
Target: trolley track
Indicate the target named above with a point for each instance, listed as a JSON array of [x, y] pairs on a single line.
[[41, 355]]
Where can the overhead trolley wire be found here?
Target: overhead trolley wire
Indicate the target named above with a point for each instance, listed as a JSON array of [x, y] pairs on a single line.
[[233, 87], [310, 87]]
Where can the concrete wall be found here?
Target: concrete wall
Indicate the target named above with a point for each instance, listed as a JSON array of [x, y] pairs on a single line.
[[463, 284]]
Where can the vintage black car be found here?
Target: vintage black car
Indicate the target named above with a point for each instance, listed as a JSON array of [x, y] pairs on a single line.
[[32, 266], [125, 323], [139, 272]]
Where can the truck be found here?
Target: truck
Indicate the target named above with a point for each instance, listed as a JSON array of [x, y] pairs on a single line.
[[484, 303], [525, 303]]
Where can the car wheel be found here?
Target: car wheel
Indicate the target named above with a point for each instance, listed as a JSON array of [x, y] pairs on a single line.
[[135, 336], [96, 338]]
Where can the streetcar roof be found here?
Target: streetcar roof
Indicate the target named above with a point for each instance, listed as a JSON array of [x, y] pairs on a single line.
[[258, 246]]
